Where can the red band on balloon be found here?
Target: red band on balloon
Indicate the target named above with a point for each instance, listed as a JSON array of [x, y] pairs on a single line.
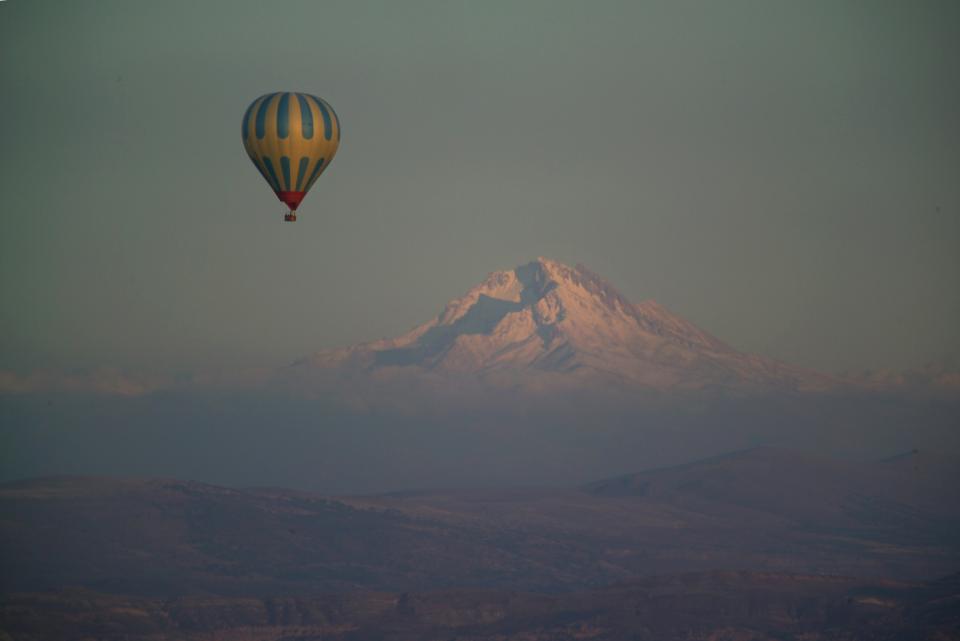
[[292, 199]]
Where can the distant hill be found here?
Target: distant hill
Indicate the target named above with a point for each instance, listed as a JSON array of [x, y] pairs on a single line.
[[803, 486], [765, 509]]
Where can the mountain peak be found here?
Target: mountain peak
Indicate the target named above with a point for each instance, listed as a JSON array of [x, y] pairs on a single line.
[[547, 317], [528, 284]]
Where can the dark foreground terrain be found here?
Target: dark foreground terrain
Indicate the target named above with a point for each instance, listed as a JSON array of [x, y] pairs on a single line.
[[718, 605], [747, 545], [766, 509]]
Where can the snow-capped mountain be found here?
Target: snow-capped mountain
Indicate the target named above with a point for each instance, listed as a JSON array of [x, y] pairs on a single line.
[[545, 318]]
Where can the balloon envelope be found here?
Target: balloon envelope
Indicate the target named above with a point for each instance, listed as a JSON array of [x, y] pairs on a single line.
[[291, 138]]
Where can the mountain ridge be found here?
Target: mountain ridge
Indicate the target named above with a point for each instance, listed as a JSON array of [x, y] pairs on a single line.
[[761, 509], [545, 317], [542, 326]]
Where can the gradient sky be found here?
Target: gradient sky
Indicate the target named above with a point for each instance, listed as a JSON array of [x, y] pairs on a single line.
[[786, 175]]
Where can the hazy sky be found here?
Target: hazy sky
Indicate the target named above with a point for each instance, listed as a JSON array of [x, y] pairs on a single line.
[[786, 175]]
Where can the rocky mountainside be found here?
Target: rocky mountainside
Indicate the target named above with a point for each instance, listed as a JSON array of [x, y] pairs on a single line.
[[718, 605], [545, 318]]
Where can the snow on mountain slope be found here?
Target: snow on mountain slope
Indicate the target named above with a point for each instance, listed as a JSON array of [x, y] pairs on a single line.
[[546, 317]]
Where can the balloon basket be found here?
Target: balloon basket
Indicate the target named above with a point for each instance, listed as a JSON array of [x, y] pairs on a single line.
[[290, 218]]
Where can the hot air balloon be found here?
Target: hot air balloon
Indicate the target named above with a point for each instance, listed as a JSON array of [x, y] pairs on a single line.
[[291, 138]]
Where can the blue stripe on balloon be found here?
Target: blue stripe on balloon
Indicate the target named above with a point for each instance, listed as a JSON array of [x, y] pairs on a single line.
[[283, 116], [285, 168], [306, 117], [304, 163], [327, 125], [273, 174], [262, 115], [246, 120], [316, 172], [337, 118]]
